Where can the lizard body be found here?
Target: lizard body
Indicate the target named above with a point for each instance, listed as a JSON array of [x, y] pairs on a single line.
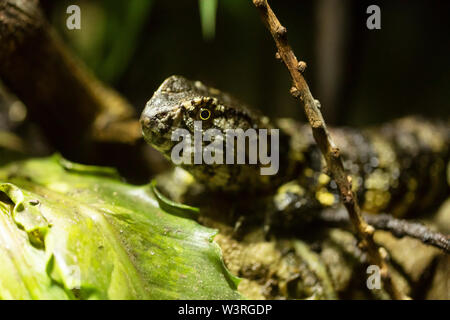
[[397, 167]]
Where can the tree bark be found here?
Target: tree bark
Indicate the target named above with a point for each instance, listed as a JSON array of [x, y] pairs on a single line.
[[81, 117]]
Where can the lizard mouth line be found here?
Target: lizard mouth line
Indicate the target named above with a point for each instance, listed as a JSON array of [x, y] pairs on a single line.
[[215, 147]]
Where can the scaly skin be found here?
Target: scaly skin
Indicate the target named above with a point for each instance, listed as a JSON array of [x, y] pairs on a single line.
[[398, 167]]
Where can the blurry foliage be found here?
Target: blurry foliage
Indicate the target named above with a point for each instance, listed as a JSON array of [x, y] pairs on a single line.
[[388, 73], [208, 9], [114, 31]]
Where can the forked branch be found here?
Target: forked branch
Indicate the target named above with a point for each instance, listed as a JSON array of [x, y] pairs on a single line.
[[330, 151], [397, 227]]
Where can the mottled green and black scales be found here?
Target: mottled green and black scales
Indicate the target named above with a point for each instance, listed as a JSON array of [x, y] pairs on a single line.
[[398, 167]]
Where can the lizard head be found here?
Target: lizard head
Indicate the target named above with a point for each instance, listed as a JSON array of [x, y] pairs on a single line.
[[183, 104], [179, 102]]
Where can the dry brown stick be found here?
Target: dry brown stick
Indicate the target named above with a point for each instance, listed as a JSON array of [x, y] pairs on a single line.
[[397, 227], [329, 150]]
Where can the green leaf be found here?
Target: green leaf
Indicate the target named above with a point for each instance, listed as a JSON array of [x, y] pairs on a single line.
[[208, 11], [69, 231], [168, 205]]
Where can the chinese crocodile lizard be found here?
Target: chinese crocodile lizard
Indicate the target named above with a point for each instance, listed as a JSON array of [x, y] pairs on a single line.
[[398, 167]]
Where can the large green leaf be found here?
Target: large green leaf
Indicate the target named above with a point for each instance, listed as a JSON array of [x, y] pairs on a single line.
[[73, 231]]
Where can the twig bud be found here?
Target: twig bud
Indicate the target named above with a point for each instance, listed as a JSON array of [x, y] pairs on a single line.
[[295, 92], [318, 104], [301, 66], [370, 231], [277, 56], [260, 4], [383, 253], [281, 32], [335, 152]]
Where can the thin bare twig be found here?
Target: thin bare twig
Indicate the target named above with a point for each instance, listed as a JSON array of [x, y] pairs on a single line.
[[330, 151], [397, 227]]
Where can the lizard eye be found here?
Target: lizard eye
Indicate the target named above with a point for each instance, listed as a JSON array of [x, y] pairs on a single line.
[[205, 114]]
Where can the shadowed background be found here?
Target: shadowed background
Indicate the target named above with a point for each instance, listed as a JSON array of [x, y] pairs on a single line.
[[361, 76]]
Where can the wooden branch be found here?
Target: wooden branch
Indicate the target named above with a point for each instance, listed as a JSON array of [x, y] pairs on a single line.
[[330, 151], [80, 116], [398, 227]]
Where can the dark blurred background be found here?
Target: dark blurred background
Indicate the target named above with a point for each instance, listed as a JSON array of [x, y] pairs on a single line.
[[361, 76]]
